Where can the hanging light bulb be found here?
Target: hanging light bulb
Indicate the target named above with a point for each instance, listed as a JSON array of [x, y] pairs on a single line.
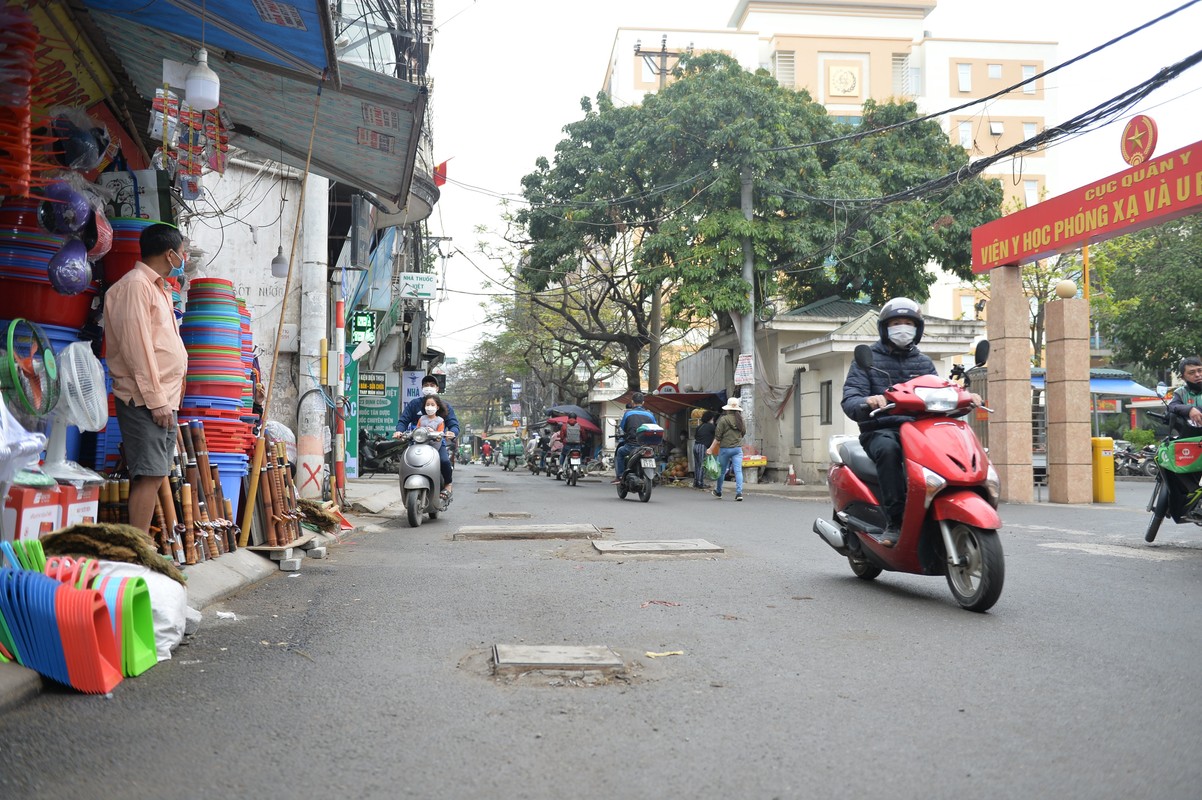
[[203, 87], [279, 265]]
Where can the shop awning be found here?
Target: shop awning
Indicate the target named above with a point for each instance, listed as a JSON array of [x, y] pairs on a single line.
[[367, 128], [674, 403], [297, 35], [1110, 387]]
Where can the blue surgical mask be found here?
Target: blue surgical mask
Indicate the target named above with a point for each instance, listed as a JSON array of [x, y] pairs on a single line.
[[178, 272]]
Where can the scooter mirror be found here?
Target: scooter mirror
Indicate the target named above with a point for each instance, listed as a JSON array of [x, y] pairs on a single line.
[[982, 353], [863, 355]]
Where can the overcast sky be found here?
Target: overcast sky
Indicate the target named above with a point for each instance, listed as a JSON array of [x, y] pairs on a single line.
[[509, 74]]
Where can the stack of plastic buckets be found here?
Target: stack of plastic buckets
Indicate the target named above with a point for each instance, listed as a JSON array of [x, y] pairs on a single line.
[[248, 355], [127, 247], [25, 290], [217, 381]]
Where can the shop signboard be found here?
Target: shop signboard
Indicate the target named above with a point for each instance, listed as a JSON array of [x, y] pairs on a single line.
[[350, 391]]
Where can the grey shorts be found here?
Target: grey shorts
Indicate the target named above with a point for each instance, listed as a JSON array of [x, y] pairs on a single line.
[[148, 448]]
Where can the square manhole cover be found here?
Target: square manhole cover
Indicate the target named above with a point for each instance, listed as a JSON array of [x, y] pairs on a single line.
[[516, 658], [549, 531], [668, 546], [486, 489], [509, 514]]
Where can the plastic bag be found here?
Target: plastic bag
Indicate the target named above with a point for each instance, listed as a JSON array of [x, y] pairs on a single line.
[[168, 603], [711, 468]]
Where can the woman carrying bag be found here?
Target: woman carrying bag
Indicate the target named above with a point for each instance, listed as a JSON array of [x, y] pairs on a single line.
[[728, 445]]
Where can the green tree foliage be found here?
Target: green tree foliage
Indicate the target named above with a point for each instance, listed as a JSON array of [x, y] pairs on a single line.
[[1150, 298], [666, 178]]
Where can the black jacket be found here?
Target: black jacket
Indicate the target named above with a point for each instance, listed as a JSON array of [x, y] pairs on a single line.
[[901, 366]]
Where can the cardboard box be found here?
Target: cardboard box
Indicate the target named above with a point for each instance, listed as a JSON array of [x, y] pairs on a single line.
[[80, 505], [30, 512]]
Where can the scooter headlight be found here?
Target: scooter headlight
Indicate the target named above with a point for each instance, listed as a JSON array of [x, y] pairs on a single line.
[[421, 435], [945, 398], [993, 486], [934, 483]]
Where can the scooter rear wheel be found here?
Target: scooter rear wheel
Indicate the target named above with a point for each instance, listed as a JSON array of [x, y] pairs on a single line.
[[862, 568], [1159, 506], [977, 582], [622, 490], [415, 505]]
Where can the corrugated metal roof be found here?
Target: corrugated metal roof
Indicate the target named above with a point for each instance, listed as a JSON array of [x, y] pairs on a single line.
[[367, 129]]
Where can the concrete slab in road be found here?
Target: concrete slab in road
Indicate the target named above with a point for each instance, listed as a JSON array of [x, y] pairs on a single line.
[[484, 532], [669, 546]]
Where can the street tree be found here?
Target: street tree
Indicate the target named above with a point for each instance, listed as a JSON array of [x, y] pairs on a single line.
[[1149, 297]]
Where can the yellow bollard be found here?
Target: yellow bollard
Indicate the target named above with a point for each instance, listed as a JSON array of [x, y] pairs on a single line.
[[1103, 469]]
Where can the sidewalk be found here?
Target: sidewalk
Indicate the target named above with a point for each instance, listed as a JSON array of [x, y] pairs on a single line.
[[208, 583]]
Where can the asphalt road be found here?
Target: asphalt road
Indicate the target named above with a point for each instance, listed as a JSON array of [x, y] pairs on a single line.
[[368, 675]]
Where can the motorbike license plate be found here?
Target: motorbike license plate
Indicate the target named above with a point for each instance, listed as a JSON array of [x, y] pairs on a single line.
[[575, 462], [648, 463]]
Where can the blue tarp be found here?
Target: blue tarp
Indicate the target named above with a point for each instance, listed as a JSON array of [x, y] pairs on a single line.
[[1110, 387]]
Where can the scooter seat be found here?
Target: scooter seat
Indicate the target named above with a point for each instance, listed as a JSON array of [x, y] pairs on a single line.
[[853, 455]]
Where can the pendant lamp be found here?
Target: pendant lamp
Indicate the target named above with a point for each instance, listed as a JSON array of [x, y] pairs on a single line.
[[279, 265], [203, 87]]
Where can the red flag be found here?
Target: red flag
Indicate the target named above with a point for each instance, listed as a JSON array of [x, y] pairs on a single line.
[[440, 174]]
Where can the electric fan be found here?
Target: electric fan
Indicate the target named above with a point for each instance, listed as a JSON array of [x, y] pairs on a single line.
[[28, 369], [83, 402]]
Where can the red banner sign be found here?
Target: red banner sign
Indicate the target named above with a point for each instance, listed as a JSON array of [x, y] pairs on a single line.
[[1151, 193]]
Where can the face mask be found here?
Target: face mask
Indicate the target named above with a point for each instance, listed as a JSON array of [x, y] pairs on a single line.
[[431, 410], [178, 272], [429, 390], [902, 335]]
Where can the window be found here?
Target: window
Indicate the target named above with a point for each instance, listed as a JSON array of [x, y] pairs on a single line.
[[1031, 192], [964, 77], [997, 127], [966, 135], [1030, 130], [824, 403], [1028, 73], [901, 75], [784, 68], [995, 72]]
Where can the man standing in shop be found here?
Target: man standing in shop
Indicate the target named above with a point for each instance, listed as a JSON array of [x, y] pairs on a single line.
[[147, 361]]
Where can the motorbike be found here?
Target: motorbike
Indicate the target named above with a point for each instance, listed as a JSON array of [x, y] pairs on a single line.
[[378, 453], [1176, 494], [950, 523], [1129, 462], [421, 476], [641, 467], [573, 465], [465, 454], [532, 459], [509, 458], [486, 459]]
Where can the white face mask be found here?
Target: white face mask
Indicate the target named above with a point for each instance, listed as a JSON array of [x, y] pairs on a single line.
[[431, 410], [902, 335], [429, 390]]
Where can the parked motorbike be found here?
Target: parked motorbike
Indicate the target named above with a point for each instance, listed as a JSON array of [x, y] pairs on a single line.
[[1129, 462], [421, 475], [641, 468], [573, 466], [950, 523], [1176, 494], [378, 453]]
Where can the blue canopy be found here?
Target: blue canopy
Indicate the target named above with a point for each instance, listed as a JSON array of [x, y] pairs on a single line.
[[297, 35], [1110, 387]]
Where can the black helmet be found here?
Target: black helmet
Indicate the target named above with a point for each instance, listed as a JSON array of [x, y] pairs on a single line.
[[900, 307], [571, 415]]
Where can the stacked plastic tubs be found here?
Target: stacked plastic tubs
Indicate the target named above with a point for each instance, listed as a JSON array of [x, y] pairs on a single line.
[[25, 290], [248, 356], [127, 249]]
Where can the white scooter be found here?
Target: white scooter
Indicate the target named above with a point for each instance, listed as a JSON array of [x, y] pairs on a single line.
[[421, 475]]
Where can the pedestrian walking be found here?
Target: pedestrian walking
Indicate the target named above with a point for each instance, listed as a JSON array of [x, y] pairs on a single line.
[[728, 437], [703, 437]]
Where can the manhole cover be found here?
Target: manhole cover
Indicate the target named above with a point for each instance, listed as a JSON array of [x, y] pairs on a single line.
[[528, 532], [671, 546], [486, 489], [509, 514], [518, 658]]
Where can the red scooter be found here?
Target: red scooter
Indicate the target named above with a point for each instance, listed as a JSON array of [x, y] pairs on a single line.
[[950, 523]]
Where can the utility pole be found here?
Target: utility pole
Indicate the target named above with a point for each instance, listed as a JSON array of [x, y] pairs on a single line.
[[747, 323], [657, 62]]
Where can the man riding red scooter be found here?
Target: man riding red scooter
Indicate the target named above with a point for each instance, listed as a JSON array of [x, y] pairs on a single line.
[[915, 492]]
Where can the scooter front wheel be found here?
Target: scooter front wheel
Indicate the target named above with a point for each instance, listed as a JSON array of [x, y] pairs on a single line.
[[976, 582], [1159, 506], [415, 507]]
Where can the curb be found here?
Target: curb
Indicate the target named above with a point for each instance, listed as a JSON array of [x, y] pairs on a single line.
[[208, 583]]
